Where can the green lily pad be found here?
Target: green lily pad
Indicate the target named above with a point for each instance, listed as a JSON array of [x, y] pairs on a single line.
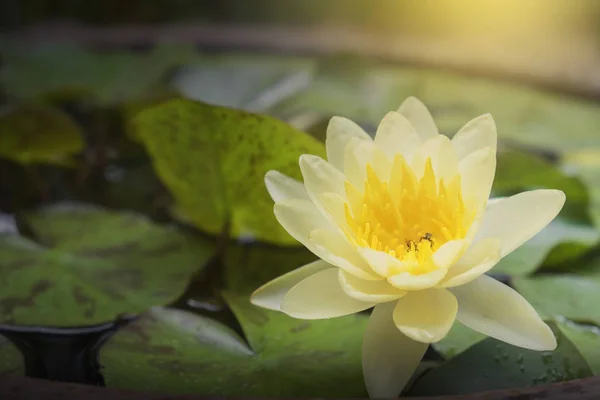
[[566, 238], [175, 351], [587, 339], [246, 268], [11, 360], [459, 339], [213, 160], [91, 265], [37, 134], [565, 295], [30, 72], [244, 81], [585, 164], [491, 365]]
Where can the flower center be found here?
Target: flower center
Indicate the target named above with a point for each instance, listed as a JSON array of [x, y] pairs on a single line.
[[406, 217]]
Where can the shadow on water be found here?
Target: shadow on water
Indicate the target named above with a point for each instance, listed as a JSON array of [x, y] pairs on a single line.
[[63, 354]]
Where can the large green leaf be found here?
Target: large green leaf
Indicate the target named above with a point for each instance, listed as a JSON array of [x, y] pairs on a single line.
[[109, 76], [38, 134], [178, 352], [213, 160], [569, 236], [587, 339], [586, 165], [91, 265], [458, 340], [571, 296], [11, 360], [492, 364]]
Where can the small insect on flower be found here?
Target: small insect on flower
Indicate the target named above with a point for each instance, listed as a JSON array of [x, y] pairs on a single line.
[[403, 223]]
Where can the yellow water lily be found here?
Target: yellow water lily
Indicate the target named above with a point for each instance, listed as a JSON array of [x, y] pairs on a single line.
[[404, 223]]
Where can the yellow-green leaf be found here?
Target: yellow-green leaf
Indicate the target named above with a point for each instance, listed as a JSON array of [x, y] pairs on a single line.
[[32, 134], [213, 160]]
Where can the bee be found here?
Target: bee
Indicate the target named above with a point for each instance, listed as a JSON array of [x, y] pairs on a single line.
[[428, 236]]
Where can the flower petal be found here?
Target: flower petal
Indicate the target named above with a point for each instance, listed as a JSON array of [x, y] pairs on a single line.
[[418, 115], [282, 187], [409, 281], [270, 295], [320, 296], [370, 291], [339, 132], [477, 172], [320, 177], [516, 219], [443, 157], [389, 358], [382, 263], [299, 218], [494, 309], [395, 135], [449, 253], [474, 135], [479, 259], [335, 249], [426, 315]]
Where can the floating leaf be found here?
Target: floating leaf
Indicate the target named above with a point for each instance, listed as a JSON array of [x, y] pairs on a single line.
[[586, 165], [492, 364], [587, 339], [91, 265], [458, 340], [569, 236], [214, 159], [37, 134], [178, 352], [11, 360], [242, 81], [566, 295], [109, 76]]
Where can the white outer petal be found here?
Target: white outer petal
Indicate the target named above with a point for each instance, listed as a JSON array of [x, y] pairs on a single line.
[[474, 135], [339, 132], [368, 290], [396, 135], [320, 296], [270, 295], [389, 358], [282, 187], [494, 309], [419, 117], [516, 219]]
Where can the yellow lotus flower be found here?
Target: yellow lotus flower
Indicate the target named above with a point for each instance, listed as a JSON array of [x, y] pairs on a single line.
[[404, 223]]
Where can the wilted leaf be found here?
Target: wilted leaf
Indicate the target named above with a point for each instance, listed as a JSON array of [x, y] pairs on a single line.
[[178, 352], [214, 159], [11, 360], [492, 364], [569, 236], [37, 134], [91, 265], [587, 339]]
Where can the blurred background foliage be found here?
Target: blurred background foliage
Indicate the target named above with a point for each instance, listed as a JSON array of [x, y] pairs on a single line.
[[131, 173]]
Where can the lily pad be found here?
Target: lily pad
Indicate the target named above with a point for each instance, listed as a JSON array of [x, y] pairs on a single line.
[[492, 364], [90, 265], [110, 77], [11, 360], [459, 339], [213, 160], [565, 295], [244, 81], [175, 351], [38, 134], [587, 339], [566, 238]]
